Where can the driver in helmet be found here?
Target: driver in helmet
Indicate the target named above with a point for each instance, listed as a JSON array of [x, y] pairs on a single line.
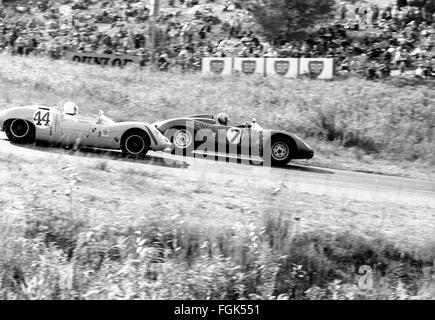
[[223, 119], [70, 110]]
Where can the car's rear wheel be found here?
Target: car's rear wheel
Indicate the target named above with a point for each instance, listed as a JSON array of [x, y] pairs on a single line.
[[182, 140], [20, 131], [135, 144]]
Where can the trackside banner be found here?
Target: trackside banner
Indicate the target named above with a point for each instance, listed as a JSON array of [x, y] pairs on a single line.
[[285, 67], [112, 60], [217, 65], [316, 68], [249, 65]]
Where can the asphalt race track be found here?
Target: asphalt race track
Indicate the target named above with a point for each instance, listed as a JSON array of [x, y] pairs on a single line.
[[298, 177]]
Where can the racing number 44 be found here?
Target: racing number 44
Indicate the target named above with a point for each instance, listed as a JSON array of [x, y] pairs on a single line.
[[42, 119]]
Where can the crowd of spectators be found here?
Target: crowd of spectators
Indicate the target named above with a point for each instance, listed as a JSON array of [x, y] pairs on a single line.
[[112, 26], [366, 39], [375, 41], [42, 28], [396, 38]]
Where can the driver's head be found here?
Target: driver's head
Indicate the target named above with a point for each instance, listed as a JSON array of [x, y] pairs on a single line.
[[223, 119], [70, 108]]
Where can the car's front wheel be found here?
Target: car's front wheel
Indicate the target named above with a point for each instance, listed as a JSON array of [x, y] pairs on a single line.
[[281, 151], [135, 144], [20, 131]]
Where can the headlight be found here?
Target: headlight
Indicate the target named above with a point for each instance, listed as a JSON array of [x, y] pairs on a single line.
[[307, 145], [157, 124], [156, 131], [160, 135]]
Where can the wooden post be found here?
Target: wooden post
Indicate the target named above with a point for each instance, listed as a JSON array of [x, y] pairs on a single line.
[[155, 6]]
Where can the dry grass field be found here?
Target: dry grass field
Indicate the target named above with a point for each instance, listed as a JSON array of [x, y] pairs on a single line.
[[74, 226]]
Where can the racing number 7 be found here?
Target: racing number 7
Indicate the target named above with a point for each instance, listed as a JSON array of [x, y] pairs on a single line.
[[234, 135]]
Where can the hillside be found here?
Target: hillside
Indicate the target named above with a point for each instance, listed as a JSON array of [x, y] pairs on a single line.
[[182, 12]]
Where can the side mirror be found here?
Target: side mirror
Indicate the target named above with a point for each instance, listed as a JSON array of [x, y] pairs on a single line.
[[254, 120]]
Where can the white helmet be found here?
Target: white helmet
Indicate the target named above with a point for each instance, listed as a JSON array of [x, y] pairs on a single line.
[[70, 108]]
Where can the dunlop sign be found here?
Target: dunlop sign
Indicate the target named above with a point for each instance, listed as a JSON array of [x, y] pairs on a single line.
[[112, 60]]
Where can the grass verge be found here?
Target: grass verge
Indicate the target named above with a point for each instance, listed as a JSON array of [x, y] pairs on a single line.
[[98, 229]]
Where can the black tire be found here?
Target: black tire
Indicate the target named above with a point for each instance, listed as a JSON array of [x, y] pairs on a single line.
[[20, 131], [135, 144], [281, 151], [183, 140]]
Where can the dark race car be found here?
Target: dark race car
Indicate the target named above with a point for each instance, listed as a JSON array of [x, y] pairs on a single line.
[[217, 135]]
